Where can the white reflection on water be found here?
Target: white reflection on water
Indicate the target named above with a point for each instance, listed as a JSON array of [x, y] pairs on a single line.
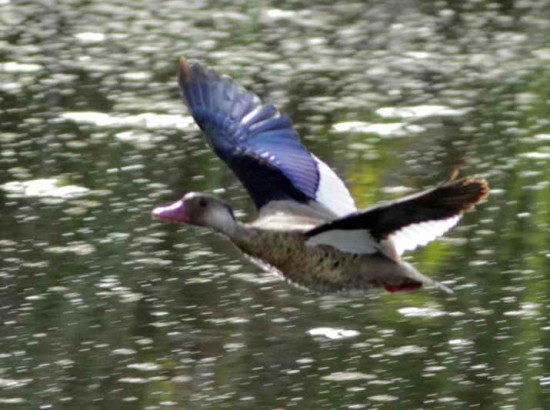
[[535, 155], [144, 367], [395, 129], [123, 352], [419, 111], [346, 376], [407, 349], [43, 187], [383, 397], [333, 333], [428, 311], [146, 120], [90, 37], [12, 400], [77, 247], [13, 383], [15, 67]]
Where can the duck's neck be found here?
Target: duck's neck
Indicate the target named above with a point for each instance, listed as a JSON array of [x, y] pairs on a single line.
[[231, 228]]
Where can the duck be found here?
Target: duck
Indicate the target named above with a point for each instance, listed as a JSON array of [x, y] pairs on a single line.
[[308, 229]]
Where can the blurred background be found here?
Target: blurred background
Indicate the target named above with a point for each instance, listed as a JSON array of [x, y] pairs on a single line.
[[102, 307]]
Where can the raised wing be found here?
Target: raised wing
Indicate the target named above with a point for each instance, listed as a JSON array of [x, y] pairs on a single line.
[[403, 224], [259, 143]]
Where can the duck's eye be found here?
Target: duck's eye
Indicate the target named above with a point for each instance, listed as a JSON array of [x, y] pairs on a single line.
[[203, 202]]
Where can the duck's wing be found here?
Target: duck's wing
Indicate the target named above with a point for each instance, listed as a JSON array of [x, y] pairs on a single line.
[[259, 144], [403, 224]]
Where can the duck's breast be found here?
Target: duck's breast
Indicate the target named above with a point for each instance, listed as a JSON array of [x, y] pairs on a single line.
[[318, 268], [323, 268]]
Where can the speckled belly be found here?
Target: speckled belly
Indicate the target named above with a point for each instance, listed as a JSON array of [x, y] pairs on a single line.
[[320, 268]]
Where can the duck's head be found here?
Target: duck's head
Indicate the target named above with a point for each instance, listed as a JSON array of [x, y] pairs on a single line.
[[197, 208]]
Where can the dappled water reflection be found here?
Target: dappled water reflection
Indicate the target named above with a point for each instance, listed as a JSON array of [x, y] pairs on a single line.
[[103, 307]]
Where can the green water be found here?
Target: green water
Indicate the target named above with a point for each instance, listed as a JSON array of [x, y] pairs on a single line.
[[103, 307]]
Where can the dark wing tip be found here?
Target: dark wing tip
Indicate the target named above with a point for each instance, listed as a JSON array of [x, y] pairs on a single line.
[[183, 69], [195, 82], [190, 70], [462, 194]]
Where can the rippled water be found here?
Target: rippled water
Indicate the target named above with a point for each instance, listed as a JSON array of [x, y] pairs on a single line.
[[102, 307]]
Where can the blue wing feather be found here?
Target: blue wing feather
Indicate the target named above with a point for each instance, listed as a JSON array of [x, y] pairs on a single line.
[[259, 114], [257, 142]]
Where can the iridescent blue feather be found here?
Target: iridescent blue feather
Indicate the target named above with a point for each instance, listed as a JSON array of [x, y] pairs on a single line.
[[257, 142]]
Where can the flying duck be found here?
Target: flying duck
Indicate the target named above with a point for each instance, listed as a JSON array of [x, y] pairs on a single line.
[[308, 228]]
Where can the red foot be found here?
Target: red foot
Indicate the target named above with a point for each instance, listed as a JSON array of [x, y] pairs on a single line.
[[402, 288]]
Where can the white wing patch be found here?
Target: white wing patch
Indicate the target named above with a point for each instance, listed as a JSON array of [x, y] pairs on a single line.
[[412, 236], [352, 241], [332, 192]]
